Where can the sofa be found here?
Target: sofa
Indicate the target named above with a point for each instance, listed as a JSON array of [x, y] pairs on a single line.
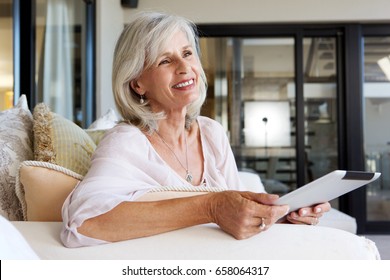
[[44, 156]]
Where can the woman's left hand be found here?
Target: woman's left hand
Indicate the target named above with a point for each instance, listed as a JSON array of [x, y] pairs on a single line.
[[308, 215]]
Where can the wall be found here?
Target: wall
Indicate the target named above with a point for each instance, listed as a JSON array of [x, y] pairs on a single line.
[[111, 17], [206, 11], [109, 24]]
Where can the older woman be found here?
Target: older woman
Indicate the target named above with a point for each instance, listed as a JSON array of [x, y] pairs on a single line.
[[159, 87]]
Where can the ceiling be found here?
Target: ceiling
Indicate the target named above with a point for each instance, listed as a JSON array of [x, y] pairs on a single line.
[[319, 54]]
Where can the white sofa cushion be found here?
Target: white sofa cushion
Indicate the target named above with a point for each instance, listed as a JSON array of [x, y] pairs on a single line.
[[280, 242], [12, 243], [337, 219], [251, 181]]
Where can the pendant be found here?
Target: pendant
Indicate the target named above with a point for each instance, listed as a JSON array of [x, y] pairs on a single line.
[[188, 177]]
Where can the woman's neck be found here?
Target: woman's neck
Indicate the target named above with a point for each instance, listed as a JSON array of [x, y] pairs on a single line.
[[172, 127], [172, 131]]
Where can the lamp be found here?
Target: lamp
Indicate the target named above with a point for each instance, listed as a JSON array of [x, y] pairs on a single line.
[[265, 120], [275, 116]]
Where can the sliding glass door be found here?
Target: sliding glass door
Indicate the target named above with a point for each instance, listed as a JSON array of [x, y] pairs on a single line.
[[299, 101], [376, 92], [251, 88], [253, 92], [320, 106]]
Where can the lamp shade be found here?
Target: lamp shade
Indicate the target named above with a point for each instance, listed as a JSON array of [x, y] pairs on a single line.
[[267, 124]]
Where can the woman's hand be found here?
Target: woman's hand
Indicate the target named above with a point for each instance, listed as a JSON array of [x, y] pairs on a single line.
[[308, 215], [244, 214]]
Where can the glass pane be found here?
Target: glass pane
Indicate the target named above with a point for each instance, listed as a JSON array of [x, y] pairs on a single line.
[[59, 49], [376, 92], [6, 56], [252, 93], [320, 106]]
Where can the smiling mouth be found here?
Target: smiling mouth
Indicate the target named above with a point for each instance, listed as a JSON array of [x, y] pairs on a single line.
[[184, 84]]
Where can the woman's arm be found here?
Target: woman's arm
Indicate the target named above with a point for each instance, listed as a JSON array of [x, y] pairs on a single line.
[[237, 213]]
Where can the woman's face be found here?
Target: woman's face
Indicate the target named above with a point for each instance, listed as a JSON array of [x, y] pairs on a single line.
[[172, 82]]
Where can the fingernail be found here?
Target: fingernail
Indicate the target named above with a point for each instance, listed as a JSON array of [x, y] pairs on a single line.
[[293, 215], [304, 212], [318, 210]]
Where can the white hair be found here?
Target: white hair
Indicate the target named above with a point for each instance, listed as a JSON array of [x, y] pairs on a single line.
[[137, 49]]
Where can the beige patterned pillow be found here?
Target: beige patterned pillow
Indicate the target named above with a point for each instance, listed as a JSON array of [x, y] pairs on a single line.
[[15, 147], [60, 141], [96, 135]]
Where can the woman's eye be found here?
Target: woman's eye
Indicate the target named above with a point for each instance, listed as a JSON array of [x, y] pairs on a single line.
[[165, 61], [187, 53]]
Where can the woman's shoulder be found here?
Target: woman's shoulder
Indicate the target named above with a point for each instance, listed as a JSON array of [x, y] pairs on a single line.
[[124, 130], [122, 135], [212, 130], [206, 122]]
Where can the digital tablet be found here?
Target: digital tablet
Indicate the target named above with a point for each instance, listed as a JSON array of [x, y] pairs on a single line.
[[326, 188]]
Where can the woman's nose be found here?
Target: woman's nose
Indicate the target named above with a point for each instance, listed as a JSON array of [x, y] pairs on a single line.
[[183, 67]]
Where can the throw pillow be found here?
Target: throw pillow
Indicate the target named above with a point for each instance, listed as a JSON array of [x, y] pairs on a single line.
[[107, 121], [60, 141], [42, 189], [96, 135], [99, 127], [15, 147]]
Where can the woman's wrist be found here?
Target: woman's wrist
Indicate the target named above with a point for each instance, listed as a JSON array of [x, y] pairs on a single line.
[[210, 206]]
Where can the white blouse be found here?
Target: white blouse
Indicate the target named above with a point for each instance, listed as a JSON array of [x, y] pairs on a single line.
[[125, 166]]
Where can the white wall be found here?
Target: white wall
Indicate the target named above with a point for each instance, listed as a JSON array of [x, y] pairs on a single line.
[[111, 17], [109, 24], [211, 11]]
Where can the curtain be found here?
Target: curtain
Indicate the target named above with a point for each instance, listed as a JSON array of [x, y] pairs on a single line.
[[56, 81]]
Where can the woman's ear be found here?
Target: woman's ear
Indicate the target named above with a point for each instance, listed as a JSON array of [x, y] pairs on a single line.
[[136, 87]]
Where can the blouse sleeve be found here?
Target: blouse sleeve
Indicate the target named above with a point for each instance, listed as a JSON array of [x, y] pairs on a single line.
[[123, 168]]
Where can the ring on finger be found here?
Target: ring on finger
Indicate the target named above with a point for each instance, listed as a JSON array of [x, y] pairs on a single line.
[[314, 221], [262, 225]]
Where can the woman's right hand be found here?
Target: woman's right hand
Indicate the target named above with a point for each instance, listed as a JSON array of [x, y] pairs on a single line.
[[241, 213]]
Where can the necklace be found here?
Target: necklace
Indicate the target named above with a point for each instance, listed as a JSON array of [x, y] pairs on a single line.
[[188, 176]]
